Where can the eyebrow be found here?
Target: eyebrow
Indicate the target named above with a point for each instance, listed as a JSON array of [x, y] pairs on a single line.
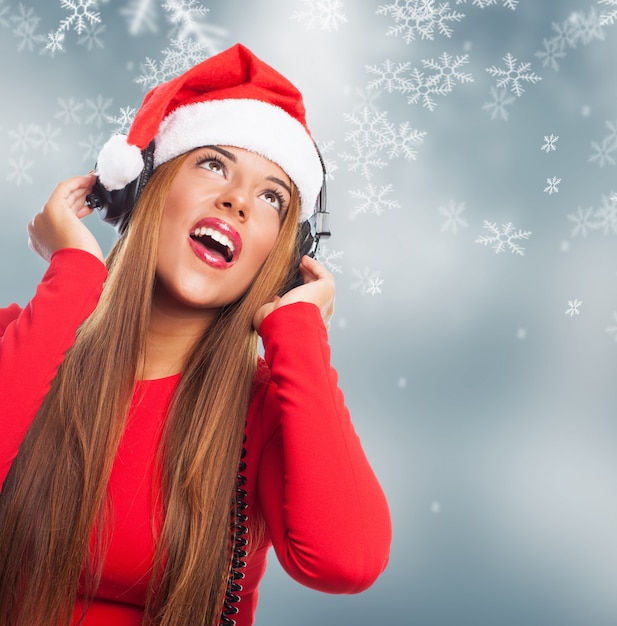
[[232, 157]]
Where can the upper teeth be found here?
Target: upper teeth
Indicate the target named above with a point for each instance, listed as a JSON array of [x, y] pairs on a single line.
[[217, 235]]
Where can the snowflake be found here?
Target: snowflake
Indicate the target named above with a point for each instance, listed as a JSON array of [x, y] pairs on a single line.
[[92, 146], [373, 200], [587, 28], [503, 238], [389, 76], [141, 16], [607, 215], [583, 222], [603, 152], [612, 330], [122, 121], [508, 4], [330, 166], [98, 108], [363, 160], [91, 37], [20, 171], [69, 111], [513, 75], [608, 18], [3, 12], [55, 43], [330, 258], [552, 185], [327, 14], [24, 137], [453, 220], [423, 89], [368, 282], [179, 57], [419, 17], [366, 99], [374, 134], [552, 53], [573, 307], [25, 29], [605, 148], [82, 14], [497, 106], [45, 139], [549, 143]]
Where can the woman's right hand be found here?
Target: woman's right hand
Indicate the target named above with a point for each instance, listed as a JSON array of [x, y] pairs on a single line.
[[58, 225]]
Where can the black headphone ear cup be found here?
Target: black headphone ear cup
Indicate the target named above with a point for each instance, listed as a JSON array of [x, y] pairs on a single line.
[[115, 207]]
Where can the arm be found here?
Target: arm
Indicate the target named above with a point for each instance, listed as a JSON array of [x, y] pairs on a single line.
[[35, 339], [324, 508]]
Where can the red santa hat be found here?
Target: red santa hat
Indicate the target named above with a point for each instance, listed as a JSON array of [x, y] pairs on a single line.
[[232, 98]]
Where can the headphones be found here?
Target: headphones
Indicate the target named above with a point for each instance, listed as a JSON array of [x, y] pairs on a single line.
[[115, 208]]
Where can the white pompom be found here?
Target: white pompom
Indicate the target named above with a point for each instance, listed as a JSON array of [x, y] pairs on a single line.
[[119, 163]]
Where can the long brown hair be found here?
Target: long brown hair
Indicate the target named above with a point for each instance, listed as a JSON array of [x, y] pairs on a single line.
[[53, 502]]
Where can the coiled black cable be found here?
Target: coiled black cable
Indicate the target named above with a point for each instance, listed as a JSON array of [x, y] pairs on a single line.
[[239, 530]]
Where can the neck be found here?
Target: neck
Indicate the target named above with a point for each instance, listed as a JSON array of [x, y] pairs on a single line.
[[173, 331]]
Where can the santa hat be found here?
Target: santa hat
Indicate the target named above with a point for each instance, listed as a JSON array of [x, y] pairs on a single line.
[[233, 99]]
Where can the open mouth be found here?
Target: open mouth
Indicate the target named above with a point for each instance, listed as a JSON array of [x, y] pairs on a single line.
[[215, 242]]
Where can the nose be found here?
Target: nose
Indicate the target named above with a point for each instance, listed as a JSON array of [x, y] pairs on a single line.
[[234, 199]]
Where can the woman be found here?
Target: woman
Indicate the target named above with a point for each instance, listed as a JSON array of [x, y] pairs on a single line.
[[149, 458]]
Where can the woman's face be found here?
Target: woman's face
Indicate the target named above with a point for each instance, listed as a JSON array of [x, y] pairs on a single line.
[[221, 219]]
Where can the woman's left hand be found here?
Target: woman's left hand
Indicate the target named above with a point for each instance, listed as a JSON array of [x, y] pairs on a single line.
[[318, 288]]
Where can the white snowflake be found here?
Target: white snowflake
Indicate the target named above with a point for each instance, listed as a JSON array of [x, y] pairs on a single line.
[[180, 56], [373, 134], [549, 143], [25, 24], [91, 37], [424, 88], [453, 214], [513, 75], [508, 4], [330, 258], [573, 307], [446, 74], [552, 185], [20, 172], [497, 106], [606, 215], [326, 14], [504, 238], [587, 28], [98, 110], [122, 121], [83, 13], [583, 222], [69, 111], [368, 282], [330, 166], [24, 137], [419, 17], [4, 12], [390, 76], [612, 330], [55, 43], [604, 149], [92, 146], [373, 200], [608, 17], [45, 139], [552, 53], [141, 16]]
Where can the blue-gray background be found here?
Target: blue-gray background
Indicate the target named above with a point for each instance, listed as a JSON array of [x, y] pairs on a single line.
[[482, 384]]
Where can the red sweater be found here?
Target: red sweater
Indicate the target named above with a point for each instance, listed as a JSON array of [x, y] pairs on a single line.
[[307, 475]]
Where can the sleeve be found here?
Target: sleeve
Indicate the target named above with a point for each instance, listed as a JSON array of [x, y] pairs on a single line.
[[34, 340], [324, 508]]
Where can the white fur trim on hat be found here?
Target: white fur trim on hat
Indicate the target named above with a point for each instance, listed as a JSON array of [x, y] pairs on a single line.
[[254, 125], [119, 163]]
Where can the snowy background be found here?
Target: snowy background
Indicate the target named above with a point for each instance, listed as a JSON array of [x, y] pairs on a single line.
[[471, 148]]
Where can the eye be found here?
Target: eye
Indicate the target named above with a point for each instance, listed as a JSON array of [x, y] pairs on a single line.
[[274, 198], [211, 163]]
